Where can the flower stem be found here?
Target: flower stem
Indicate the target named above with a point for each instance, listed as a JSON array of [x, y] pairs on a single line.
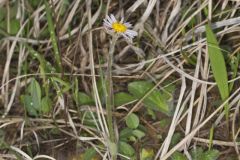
[[109, 90]]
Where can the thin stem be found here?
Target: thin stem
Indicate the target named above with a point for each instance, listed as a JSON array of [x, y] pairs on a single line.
[[109, 90], [109, 95]]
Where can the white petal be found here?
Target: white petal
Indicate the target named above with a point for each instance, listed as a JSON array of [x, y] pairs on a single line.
[[125, 36], [128, 24], [132, 32], [107, 23], [105, 20], [109, 19], [113, 18], [131, 36], [129, 39]]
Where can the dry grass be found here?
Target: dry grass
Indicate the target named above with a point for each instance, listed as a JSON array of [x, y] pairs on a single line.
[[170, 49]]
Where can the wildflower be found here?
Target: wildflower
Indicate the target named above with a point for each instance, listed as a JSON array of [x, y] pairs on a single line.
[[119, 27]]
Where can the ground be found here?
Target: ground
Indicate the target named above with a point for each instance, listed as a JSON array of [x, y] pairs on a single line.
[[120, 79]]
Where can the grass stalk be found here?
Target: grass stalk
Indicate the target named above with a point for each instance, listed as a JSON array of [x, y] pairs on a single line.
[[109, 91], [53, 37]]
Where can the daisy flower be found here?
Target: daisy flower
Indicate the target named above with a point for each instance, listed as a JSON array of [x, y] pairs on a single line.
[[119, 27]]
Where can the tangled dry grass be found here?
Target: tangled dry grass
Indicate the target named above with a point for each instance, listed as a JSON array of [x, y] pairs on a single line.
[[64, 47]]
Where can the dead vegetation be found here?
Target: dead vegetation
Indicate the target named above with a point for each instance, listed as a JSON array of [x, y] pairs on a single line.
[[53, 68]]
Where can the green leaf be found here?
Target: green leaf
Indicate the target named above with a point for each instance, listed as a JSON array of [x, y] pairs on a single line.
[[132, 121], [164, 123], [146, 154], [132, 139], [218, 66], [138, 133], [64, 7], [190, 60], [3, 143], [55, 131], [35, 92], [126, 149], [83, 99], [75, 91], [3, 12], [175, 139], [113, 148], [211, 154], [125, 133], [60, 86], [41, 60], [199, 154], [89, 153], [154, 100], [234, 63], [151, 113], [217, 63], [28, 104], [46, 105], [14, 26], [34, 4], [66, 85], [168, 89], [101, 86], [196, 153], [53, 37], [178, 156], [123, 98]]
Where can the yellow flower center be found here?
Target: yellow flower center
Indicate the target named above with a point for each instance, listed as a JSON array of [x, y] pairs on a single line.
[[119, 27]]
